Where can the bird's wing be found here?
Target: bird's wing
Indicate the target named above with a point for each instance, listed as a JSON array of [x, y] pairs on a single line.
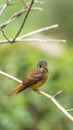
[[32, 78]]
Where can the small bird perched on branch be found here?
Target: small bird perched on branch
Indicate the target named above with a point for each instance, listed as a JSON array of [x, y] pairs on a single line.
[[35, 79]]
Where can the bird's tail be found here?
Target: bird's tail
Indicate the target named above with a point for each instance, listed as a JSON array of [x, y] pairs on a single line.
[[18, 88]]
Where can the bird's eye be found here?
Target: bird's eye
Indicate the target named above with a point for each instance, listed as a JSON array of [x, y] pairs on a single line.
[[40, 66]]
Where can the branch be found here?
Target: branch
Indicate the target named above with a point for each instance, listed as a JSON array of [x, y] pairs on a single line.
[[62, 109], [5, 35], [23, 38], [17, 15], [51, 98], [10, 76], [39, 30], [69, 110], [41, 40], [33, 40], [4, 7], [26, 10], [21, 27], [39, 2], [56, 94]]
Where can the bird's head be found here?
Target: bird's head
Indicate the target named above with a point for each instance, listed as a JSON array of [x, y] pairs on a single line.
[[42, 64]]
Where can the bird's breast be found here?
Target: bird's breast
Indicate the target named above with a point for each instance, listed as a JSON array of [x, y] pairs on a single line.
[[39, 83]]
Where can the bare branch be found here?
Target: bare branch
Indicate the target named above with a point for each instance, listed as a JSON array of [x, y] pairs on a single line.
[[17, 15], [69, 110], [5, 35], [56, 94], [10, 76], [33, 40], [21, 27], [42, 40], [24, 3], [51, 98], [39, 2], [39, 30], [4, 7], [62, 109], [12, 18], [23, 38], [37, 8]]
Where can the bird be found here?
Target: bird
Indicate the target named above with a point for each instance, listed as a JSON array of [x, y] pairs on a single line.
[[35, 79]]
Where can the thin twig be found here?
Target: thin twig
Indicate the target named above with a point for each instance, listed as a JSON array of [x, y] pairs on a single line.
[[5, 35], [56, 94], [39, 2], [62, 109], [33, 40], [37, 8], [25, 18], [41, 40], [39, 30], [12, 18], [51, 98], [4, 7], [17, 15], [69, 110], [24, 3]]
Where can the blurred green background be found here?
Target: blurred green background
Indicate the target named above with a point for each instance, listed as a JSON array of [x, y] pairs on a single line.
[[28, 110]]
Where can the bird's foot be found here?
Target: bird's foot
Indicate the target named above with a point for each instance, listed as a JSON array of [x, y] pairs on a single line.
[[35, 89]]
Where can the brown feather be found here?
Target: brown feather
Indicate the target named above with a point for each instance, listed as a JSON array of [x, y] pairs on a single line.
[[18, 88]]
